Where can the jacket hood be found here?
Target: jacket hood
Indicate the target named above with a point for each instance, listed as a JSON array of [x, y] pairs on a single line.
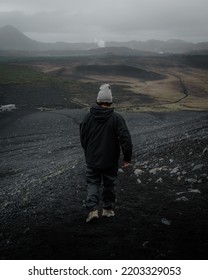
[[101, 114]]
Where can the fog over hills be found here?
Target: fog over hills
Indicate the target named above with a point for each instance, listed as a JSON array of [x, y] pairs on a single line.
[[11, 39]]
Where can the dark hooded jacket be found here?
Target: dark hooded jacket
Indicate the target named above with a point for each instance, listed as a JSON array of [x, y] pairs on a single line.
[[102, 133]]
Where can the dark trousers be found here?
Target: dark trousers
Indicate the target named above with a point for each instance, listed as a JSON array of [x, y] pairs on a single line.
[[105, 178]]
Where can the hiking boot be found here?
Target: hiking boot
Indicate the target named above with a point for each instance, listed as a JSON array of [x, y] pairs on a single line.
[[108, 213], [92, 216]]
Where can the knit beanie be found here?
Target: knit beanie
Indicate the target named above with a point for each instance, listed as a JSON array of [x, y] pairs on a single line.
[[105, 94]]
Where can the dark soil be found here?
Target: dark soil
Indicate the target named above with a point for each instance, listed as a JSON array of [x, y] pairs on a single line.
[[118, 70], [162, 199], [32, 95]]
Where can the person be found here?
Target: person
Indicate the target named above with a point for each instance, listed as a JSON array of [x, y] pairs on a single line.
[[103, 134]]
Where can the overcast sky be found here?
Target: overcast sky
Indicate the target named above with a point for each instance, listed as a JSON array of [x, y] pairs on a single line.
[[105, 20]]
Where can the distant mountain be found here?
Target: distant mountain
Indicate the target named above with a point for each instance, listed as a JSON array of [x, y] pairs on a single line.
[[156, 46], [111, 50], [11, 39]]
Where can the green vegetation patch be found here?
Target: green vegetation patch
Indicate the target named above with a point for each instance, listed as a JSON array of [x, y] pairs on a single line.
[[20, 74]]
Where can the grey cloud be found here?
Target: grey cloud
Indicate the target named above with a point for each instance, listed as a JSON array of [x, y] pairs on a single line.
[[52, 21], [107, 19]]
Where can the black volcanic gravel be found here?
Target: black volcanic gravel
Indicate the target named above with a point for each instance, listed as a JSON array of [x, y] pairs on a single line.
[[160, 213]]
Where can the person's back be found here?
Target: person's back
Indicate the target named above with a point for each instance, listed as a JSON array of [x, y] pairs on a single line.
[[102, 133]]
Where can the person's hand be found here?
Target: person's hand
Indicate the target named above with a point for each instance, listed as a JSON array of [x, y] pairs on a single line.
[[125, 164]]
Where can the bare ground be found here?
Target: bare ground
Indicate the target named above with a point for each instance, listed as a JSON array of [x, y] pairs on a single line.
[[162, 199]]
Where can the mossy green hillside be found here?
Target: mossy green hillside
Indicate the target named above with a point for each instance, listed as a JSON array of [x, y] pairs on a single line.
[[20, 74]]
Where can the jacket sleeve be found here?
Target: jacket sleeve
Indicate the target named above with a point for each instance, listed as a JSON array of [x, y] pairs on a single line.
[[82, 130], [82, 133], [124, 139]]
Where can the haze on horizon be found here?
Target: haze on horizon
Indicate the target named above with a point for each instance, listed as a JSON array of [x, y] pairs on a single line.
[[109, 20]]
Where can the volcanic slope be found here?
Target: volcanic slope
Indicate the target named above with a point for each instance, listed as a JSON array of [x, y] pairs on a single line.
[[161, 209]]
